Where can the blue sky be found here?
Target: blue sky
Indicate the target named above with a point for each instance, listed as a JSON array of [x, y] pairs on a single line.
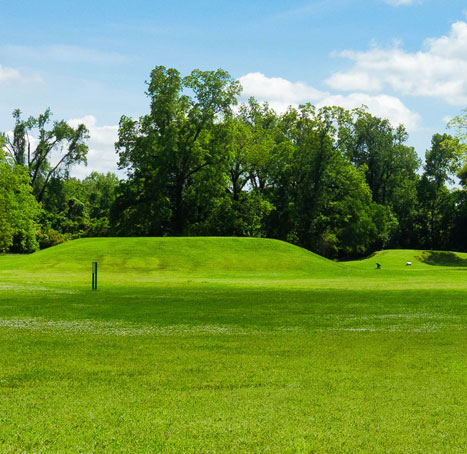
[[87, 60]]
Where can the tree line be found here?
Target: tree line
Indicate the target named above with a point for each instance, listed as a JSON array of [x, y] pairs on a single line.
[[342, 183]]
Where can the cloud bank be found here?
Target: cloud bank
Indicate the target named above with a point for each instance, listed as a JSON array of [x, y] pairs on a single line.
[[281, 93], [438, 71]]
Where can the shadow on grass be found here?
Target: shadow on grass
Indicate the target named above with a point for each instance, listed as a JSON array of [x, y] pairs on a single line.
[[442, 258]]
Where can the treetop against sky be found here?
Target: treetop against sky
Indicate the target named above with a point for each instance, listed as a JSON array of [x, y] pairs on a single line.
[[405, 59]]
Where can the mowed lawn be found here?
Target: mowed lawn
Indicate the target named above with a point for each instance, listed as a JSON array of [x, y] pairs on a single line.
[[224, 345]]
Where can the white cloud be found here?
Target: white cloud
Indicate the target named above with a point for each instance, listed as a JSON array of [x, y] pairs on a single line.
[[281, 93], [383, 106], [438, 71], [452, 46], [355, 80], [65, 54], [101, 155], [9, 74]]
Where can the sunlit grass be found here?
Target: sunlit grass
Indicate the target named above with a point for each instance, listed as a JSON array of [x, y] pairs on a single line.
[[230, 345]]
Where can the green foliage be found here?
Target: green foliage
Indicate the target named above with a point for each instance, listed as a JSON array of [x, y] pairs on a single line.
[[237, 217], [459, 124], [169, 153], [442, 162], [77, 208], [390, 166], [322, 201], [18, 208], [375, 144], [99, 193], [458, 221]]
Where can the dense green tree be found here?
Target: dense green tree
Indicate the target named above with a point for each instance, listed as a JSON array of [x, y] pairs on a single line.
[[78, 208], [443, 160], [168, 153], [457, 145], [48, 149], [97, 191], [442, 163], [236, 138], [244, 142], [375, 146], [321, 200], [326, 179], [265, 136], [457, 218], [19, 209]]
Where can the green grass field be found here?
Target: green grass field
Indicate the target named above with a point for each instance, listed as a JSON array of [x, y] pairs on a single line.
[[227, 345]]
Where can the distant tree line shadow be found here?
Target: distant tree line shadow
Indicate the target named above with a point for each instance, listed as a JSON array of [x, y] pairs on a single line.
[[442, 258]]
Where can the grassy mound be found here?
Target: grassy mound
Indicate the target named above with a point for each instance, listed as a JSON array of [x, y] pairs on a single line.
[[195, 256], [218, 260]]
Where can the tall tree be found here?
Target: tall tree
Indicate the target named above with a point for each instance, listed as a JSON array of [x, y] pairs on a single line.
[[48, 149], [169, 152], [379, 149], [458, 213], [442, 162]]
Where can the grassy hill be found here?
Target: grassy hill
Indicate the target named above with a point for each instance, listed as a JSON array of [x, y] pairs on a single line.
[[238, 261], [155, 258], [215, 256]]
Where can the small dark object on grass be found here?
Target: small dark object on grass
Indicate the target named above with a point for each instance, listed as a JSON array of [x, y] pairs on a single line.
[[378, 266], [94, 275]]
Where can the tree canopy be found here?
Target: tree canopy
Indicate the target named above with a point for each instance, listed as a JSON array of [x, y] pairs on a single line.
[[169, 153], [339, 182]]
